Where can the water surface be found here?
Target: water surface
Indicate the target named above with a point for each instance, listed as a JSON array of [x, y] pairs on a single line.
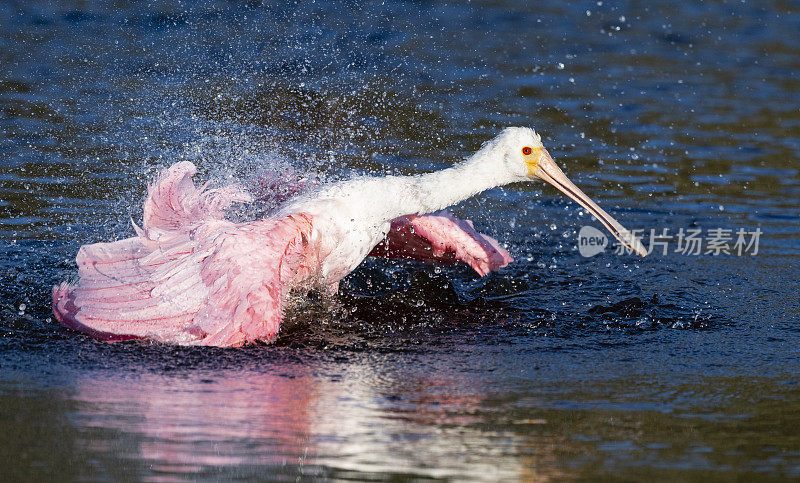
[[671, 116]]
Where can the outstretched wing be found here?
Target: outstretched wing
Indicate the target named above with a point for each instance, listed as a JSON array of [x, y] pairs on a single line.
[[442, 238], [189, 277]]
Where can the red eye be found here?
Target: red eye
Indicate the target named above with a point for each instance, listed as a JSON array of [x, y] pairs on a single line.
[[526, 151]]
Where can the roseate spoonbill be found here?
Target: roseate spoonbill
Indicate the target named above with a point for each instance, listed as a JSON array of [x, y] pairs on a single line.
[[191, 277]]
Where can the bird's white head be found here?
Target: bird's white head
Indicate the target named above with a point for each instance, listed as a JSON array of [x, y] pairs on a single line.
[[518, 149], [524, 158]]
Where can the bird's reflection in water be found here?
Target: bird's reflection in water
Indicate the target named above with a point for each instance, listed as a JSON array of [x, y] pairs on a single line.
[[357, 419], [181, 424]]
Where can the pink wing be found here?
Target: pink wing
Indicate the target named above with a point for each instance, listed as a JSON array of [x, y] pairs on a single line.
[[441, 238], [190, 277]]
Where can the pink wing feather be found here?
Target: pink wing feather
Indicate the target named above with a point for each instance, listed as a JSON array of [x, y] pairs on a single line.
[[190, 277], [441, 238]]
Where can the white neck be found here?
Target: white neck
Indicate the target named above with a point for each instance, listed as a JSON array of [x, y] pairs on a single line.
[[375, 201], [435, 191]]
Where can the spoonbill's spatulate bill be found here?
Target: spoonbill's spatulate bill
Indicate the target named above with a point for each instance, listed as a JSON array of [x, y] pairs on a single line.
[[191, 277]]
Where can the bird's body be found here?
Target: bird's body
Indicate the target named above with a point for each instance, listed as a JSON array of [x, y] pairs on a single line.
[[192, 277]]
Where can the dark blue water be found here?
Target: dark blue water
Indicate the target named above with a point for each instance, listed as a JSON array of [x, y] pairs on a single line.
[[671, 116]]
